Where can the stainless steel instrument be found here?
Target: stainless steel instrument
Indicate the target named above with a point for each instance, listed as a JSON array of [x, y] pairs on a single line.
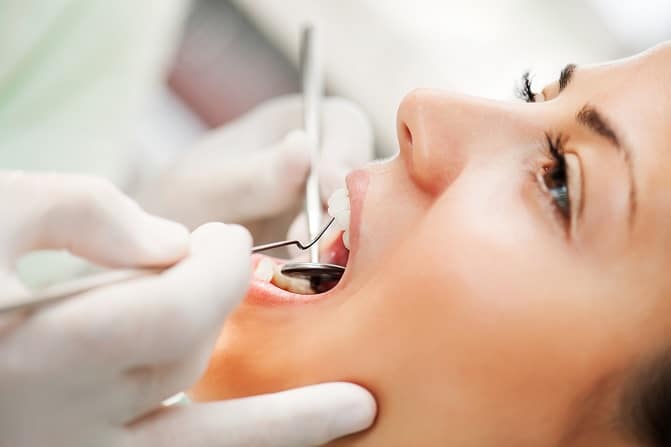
[[322, 276]]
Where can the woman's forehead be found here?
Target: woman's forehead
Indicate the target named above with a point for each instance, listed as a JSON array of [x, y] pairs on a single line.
[[633, 95], [659, 54], [652, 66]]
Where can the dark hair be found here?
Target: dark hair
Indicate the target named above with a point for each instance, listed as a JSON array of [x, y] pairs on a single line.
[[647, 403]]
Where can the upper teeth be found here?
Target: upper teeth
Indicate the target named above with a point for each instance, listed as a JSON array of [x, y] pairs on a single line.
[[339, 208]]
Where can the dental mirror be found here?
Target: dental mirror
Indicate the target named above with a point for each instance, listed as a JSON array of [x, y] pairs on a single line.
[[322, 277]]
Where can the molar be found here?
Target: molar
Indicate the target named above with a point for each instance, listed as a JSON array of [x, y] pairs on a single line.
[[267, 271]]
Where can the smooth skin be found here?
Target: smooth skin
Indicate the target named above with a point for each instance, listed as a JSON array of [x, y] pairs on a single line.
[[476, 313]]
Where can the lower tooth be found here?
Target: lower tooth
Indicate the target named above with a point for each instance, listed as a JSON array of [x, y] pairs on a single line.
[[267, 271], [295, 285], [345, 239]]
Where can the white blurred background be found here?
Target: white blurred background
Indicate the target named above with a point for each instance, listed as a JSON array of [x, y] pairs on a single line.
[[76, 75], [235, 54]]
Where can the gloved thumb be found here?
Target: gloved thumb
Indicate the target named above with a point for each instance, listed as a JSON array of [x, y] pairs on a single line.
[[267, 182], [302, 417], [87, 216]]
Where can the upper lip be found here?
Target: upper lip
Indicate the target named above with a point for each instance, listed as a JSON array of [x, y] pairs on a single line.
[[355, 202]]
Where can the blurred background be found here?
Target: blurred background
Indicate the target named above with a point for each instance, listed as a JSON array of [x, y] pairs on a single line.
[[144, 79], [234, 54]]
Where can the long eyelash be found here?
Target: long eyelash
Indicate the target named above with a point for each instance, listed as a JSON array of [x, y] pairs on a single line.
[[524, 89], [556, 147], [557, 172]]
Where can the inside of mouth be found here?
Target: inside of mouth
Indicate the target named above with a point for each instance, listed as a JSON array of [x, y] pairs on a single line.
[[334, 253]]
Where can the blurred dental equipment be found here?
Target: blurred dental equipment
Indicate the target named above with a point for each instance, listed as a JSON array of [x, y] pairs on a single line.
[[75, 287], [319, 274]]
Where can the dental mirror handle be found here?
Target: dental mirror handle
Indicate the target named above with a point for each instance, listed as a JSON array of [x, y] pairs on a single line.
[[312, 81]]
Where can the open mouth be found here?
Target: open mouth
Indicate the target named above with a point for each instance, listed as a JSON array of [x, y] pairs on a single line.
[[269, 284]]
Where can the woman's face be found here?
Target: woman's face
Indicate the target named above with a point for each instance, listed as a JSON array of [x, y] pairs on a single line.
[[508, 270]]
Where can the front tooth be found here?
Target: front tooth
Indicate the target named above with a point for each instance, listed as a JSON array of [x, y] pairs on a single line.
[[342, 219], [339, 209], [339, 201], [338, 193]]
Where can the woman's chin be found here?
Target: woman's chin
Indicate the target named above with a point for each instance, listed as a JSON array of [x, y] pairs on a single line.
[[242, 364]]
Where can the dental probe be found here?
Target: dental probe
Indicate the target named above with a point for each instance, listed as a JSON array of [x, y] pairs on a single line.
[[69, 289], [321, 276]]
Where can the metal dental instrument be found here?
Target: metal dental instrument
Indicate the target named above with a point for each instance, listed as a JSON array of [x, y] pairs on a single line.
[[69, 289], [295, 242], [321, 276]]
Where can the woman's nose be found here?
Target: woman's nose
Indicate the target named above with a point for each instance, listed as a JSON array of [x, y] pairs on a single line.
[[440, 133], [431, 152]]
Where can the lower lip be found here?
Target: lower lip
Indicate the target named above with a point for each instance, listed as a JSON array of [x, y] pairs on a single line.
[[267, 294]]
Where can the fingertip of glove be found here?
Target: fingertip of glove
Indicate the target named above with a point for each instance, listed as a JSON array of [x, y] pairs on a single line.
[[295, 149], [226, 237], [223, 253], [357, 408], [296, 138], [164, 241]]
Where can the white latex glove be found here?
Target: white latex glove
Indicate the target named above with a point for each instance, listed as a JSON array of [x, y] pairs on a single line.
[[253, 170], [91, 370]]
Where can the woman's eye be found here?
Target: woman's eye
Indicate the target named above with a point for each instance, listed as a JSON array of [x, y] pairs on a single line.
[[555, 178], [556, 181]]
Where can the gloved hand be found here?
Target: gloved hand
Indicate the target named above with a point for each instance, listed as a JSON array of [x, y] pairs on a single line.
[[91, 370], [253, 170]]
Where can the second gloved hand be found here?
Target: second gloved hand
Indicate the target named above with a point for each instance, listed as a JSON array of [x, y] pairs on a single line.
[[253, 170], [92, 370]]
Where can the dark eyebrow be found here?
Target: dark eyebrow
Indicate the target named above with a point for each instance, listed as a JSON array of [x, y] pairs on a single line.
[[565, 76], [590, 117], [593, 120]]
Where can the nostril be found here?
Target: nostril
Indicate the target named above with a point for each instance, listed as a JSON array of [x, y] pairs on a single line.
[[407, 135]]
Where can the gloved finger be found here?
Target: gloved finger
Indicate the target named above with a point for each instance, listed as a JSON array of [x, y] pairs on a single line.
[[153, 320], [256, 130], [267, 183], [87, 216], [347, 143], [10, 286], [302, 417], [346, 131]]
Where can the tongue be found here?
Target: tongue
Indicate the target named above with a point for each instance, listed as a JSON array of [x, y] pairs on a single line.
[[335, 252]]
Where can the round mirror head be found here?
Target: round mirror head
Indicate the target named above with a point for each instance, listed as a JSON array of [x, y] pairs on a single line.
[[322, 277]]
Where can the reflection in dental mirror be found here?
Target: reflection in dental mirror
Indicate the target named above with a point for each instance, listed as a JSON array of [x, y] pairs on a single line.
[[269, 272], [300, 278]]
